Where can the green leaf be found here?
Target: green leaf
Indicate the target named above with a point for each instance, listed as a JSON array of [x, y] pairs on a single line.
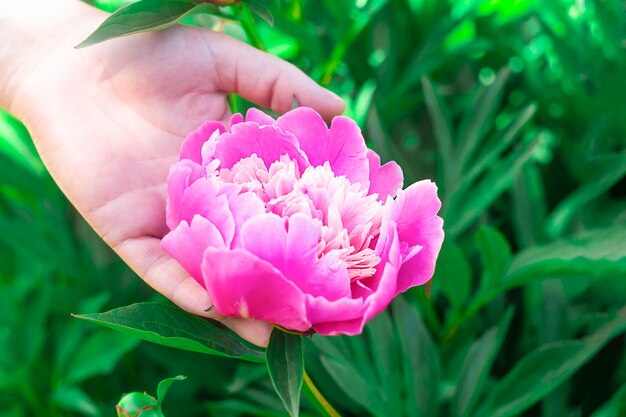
[[615, 407], [496, 147], [543, 370], [477, 121], [285, 364], [613, 170], [260, 8], [98, 355], [170, 326], [353, 384], [440, 118], [453, 275], [164, 386], [477, 366], [465, 208], [598, 246], [74, 399], [141, 16], [423, 364], [495, 256]]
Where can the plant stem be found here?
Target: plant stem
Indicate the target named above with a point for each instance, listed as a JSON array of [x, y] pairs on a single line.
[[317, 399], [249, 27]]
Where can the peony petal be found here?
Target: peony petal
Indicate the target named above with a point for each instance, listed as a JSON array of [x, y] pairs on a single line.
[[208, 197], [347, 152], [192, 145], [267, 142], [342, 316], [291, 247], [310, 129], [240, 284], [385, 180], [234, 119], [182, 174], [243, 207], [418, 225], [257, 116], [188, 242]]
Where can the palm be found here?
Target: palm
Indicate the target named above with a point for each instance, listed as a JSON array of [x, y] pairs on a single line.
[[113, 123]]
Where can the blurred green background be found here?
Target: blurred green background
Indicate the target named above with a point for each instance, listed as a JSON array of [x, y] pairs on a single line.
[[516, 108]]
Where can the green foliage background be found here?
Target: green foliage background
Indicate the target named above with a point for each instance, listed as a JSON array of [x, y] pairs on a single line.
[[514, 107]]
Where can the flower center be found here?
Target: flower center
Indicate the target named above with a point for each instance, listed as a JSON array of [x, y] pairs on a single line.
[[349, 220]]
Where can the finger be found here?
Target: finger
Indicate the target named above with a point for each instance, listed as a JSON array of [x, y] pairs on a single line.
[[163, 273], [266, 80]]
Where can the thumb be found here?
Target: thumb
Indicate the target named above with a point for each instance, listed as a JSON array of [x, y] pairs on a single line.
[[266, 80]]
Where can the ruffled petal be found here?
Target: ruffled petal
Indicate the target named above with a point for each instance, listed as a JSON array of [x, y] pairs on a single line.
[[267, 142], [182, 174], [192, 145], [257, 116], [385, 180], [310, 129], [347, 152], [208, 198], [188, 242], [291, 247], [418, 225], [331, 318], [243, 285]]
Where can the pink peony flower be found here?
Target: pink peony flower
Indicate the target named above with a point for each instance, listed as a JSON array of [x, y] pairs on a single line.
[[296, 224]]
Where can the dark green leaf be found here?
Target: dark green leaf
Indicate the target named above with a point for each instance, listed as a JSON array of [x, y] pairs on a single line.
[[98, 354], [164, 386], [543, 370], [285, 364], [141, 16], [170, 326], [423, 368], [353, 384], [615, 407], [477, 121], [495, 255], [453, 276], [477, 366]]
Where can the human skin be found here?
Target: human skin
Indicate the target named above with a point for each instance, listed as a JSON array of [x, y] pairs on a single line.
[[108, 120]]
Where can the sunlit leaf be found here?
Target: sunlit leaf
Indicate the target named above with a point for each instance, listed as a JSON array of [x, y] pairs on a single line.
[[141, 16]]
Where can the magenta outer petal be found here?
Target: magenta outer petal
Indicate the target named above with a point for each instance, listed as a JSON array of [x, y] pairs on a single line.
[[385, 180], [347, 152], [257, 116], [310, 129], [267, 142], [234, 119], [192, 145], [343, 316], [182, 174], [243, 285], [418, 225], [291, 247], [187, 244]]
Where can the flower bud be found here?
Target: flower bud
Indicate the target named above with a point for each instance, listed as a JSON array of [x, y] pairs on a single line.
[[137, 404]]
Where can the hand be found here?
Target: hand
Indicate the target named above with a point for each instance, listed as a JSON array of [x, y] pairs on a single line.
[[108, 121]]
